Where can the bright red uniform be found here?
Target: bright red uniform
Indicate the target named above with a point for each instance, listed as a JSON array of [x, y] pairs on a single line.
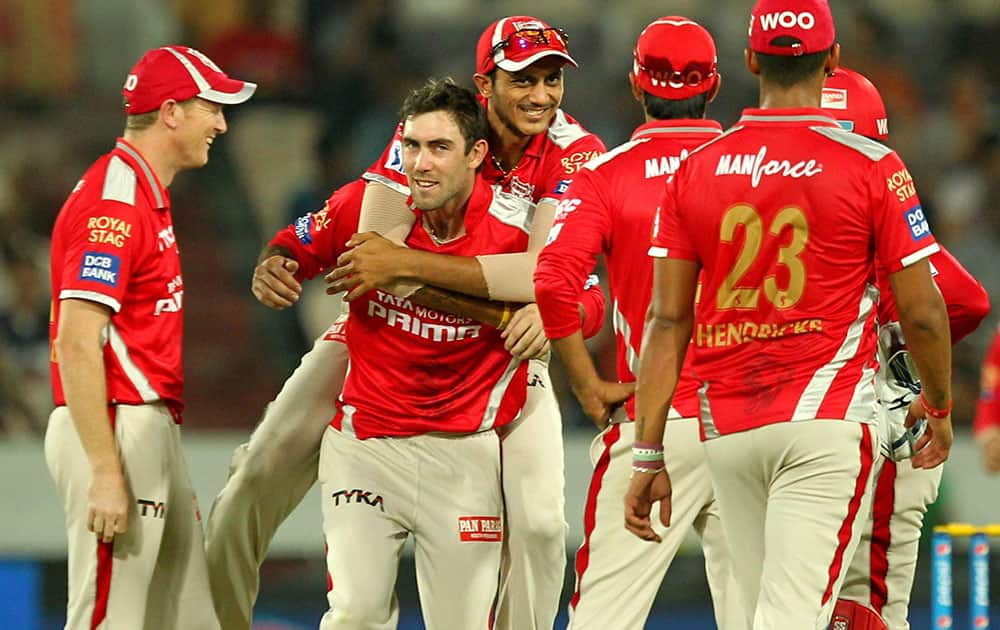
[[415, 370], [611, 215], [988, 408], [542, 174], [734, 207], [113, 243]]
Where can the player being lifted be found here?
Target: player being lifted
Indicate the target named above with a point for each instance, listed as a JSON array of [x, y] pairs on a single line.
[[535, 149], [784, 217]]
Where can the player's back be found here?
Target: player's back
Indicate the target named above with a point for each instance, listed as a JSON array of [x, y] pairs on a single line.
[[785, 213]]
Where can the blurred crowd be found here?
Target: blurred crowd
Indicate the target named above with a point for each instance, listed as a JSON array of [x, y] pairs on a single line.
[[331, 77]]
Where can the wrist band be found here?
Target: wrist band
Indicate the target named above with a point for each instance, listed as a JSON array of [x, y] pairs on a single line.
[[647, 457], [934, 412], [505, 318]]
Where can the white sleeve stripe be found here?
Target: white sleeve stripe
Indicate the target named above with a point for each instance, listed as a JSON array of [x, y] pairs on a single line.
[[919, 255], [657, 252], [132, 371], [91, 296]]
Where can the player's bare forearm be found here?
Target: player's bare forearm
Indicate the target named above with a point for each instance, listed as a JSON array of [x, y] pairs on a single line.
[[664, 343], [923, 317], [496, 314], [598, 398]]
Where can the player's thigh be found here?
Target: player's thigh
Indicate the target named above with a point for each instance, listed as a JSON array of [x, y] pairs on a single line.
[[820, 492], [368, 491], [533, 466], [459, 529]]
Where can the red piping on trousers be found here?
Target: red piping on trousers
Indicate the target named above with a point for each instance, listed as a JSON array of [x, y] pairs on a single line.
[[590, 512], [105, 563], [885, 501], [844, 534]]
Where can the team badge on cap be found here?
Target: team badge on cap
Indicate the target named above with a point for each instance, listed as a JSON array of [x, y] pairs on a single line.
[[808, 24], [514, 43], [180, 73]]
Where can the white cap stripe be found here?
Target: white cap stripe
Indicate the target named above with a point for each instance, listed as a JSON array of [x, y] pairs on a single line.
[[199, 79]]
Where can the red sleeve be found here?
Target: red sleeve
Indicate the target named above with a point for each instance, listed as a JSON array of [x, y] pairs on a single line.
[[316, 239], [902, 234], [594, 306], [388, 168], [104, 244], [559, 173], [967, 300], [670, 233], [582, 218], [988, 408]]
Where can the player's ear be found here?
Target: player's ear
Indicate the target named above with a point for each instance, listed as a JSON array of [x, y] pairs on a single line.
[[637, 92], [484, 83], [750, 58], [170, 112], [832, 60], [715, 88], [478, 153]]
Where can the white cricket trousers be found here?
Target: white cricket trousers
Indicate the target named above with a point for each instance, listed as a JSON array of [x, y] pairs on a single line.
[[881, 573], [617, 574], [269, 476], [445, 491], [153, 576], [793, 497]]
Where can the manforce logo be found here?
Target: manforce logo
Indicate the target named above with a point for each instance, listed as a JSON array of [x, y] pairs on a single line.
[[787, 19], [358, 496], [664, 165], [755, 165], [152, 509]]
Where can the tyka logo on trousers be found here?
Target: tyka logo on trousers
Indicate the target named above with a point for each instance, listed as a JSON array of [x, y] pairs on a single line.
[[358, 495], [154, 509]]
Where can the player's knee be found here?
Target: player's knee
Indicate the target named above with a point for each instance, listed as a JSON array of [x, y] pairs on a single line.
[[538, 529], [358, 610], [850, 615]]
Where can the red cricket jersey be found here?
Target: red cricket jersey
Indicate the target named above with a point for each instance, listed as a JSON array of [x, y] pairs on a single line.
[[316, 239], [785, 213], [988, 407], [543, 173], [967, 301], [113, 243], [415, 370], [609, 209]]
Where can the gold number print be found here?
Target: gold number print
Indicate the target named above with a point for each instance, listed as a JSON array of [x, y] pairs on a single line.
[[731, 296], [789, 257]]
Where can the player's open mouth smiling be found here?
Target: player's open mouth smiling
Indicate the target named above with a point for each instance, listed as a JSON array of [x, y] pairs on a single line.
[[424, 184]]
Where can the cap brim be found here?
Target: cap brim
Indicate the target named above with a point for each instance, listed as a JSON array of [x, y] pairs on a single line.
[[514, 66], [242, 92]]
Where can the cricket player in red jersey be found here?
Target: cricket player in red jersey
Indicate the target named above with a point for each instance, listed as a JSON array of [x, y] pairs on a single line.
[[535, 150], [136, 555], [987, 422], [785, 216], [877, 586], [609, 209], [412, 448]]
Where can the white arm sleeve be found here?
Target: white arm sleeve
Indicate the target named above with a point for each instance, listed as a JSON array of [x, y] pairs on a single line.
[[383, 210], [510, 277]]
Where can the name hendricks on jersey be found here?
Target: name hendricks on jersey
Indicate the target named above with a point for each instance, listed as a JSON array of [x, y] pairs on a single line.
[[735, 333], [753, 164], [421, 321], [664, 165]]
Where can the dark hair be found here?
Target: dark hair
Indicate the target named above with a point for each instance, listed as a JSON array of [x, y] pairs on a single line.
[[667, 109], [459, 102], [790, 70]]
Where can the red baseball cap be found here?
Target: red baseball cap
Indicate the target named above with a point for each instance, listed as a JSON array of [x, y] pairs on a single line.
[[808, 21], [855, 102], [675, 58], [515, 42], [180, 73]]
